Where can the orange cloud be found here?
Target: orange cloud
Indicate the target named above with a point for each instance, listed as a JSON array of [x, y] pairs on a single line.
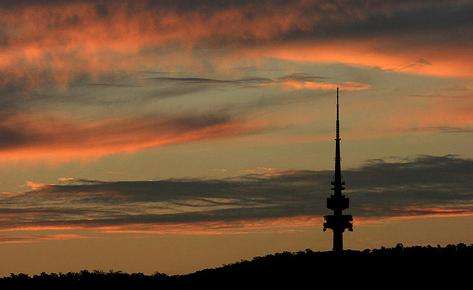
[[35, 185], [70, 38], [311, 85], [452, 61], [62, 41], [22, 238], [60, 138]]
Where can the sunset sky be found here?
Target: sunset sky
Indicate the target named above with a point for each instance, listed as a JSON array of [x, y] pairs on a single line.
[[175, 135]]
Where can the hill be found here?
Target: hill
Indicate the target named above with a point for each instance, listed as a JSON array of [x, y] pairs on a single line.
[[299, 270]]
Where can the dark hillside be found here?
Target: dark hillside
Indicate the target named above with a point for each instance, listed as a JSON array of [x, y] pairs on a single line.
[[301, 270]]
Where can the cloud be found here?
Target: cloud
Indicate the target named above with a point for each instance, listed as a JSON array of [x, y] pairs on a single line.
[[35, 185], [84, 58], [425, 185], [296, 81], [30, 136], [29, 238], [308, 85], [62, 42], [30, 127], [196, 80], [443, 129]]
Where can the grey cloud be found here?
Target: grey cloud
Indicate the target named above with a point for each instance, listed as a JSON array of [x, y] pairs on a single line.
[[244, 81], [397, 17], [443, 129], [168, 87], [302, 77], [334, 18], [381, 188], [121, 91], [422, 21]]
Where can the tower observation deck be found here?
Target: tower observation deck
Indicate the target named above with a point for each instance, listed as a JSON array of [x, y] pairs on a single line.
[[337, 202]]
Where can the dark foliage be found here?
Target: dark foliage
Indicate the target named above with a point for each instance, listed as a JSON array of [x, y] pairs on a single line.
[[300, 270]]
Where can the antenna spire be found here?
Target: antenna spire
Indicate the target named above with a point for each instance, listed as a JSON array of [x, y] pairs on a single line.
[[337, 104], [338, 120]]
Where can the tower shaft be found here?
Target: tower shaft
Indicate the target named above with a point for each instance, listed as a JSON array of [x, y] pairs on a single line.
[[337, 202]]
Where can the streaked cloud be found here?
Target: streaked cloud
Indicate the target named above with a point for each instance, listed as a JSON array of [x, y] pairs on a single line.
[[426, 185], [296, 81], [27, 136]]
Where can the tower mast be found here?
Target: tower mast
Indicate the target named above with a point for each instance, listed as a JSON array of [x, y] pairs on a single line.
[[337, 202]]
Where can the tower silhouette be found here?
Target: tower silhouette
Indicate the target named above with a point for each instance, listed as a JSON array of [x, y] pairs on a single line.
[[337, 202]]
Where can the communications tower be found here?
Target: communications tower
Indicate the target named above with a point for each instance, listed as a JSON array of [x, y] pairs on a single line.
[[337, 202]]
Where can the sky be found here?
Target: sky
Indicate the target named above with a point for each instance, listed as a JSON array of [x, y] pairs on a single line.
[[200, 133]]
